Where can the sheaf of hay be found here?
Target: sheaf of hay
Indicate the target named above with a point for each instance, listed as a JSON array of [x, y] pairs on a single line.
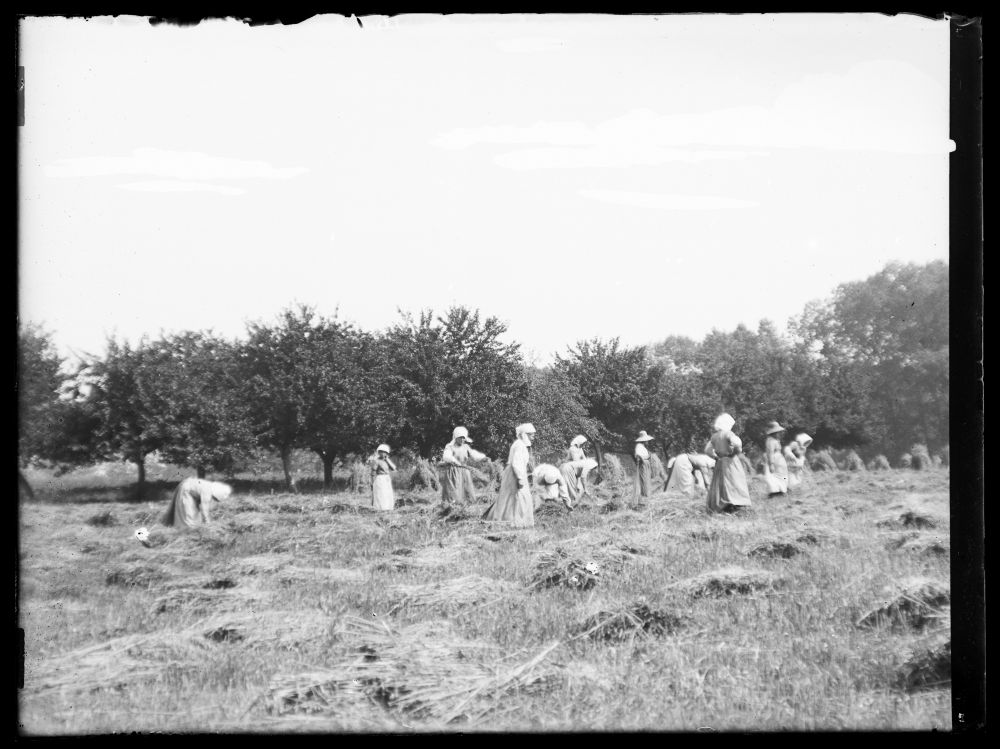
[[929, 667], [917, 602], [427, 557], [424, 476], [778, 547], [878, 463], [566, 565], [656, 467], [728, 581], [425, 672], [922, 544], [612, 470], [625, 621], [920, 459], [853, 462], [449, 596], [822, 461]]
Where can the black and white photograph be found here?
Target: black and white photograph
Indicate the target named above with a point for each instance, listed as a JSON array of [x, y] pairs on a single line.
[[514, 373]]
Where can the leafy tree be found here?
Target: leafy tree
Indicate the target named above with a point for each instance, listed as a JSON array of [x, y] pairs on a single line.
[[892, 330], [556, 409], [205, 423], [454, 370], [617, 384], [39, 380], [128, 402]]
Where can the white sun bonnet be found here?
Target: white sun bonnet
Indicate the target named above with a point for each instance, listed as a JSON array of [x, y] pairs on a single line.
[[725, 422]]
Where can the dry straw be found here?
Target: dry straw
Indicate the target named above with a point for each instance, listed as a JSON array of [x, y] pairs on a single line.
[[424, 671], [929, 667], [878, 463], [853, 462], [448, 597], [424, 477], [567, 565], [920, 459], [918, 602], [625, 621], [823, 461], [728, 581]]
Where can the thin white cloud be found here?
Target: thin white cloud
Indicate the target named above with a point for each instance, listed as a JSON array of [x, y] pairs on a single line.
[[532, 44], [554, 158], [183, 165], [882, 105], [174, 186], [666, 202]]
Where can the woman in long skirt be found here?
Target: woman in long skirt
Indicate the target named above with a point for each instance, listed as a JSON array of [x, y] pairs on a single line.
[[382, 494], [191, 502], [728, 491], [684, 470], [643, 471], [457, 484], [553, 485], [514, 504], [575, 474], [775, 467]]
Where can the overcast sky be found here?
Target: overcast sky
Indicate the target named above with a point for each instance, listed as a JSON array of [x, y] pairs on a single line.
[[574, 176]]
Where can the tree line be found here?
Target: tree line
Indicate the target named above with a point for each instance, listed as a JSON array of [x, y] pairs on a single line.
[[866, 368]]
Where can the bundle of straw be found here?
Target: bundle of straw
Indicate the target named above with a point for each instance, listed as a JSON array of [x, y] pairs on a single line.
[[624, 621], [929, 667], [918, 602], [878, 463], [424, 671], [728, 581]]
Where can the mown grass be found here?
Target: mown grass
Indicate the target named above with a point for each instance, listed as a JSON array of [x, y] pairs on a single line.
[[785, 657]]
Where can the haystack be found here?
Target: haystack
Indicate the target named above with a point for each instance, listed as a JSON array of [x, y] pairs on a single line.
[[878, 463], [449, 596], [728, 581], [424, 671], [424, 476], [905, 461], [920, 459], [625, 621], [918, 602], [612, 470], [656, 466], [946, 455], [929, 667], [567, 565], [853, 462], [359, 480], [822, 461]]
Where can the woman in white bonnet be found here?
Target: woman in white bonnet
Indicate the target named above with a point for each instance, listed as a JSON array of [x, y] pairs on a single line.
[[574, 472], [514, 503], [795, 457], [457, 485], [191, 503], [728, 491], [383, 497], [552, 483]]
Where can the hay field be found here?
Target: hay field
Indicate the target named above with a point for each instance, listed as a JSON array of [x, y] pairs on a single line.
[[825, 610]]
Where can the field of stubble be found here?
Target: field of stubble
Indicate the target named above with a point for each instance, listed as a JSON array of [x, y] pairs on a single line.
[[825, 610]]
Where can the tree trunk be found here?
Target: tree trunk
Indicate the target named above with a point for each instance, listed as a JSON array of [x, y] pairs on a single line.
[[201, 472], [327, 457], [140, 489], [286, 464]]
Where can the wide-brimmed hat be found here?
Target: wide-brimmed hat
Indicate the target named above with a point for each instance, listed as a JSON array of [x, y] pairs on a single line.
[[774, 427], [725, 422], [804, 439], [526, 428], [382, 448], [460, 432], [643, 437], [578, 440]]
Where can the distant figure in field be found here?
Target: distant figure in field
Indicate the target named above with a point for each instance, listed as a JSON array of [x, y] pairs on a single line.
[[643, 471], [553, 485], [795, 457], [191, 502], [514, 503], [728, 491], [382, 468], [775, 467], [457, 485], [575, 473], [685, 468], [575, 451]]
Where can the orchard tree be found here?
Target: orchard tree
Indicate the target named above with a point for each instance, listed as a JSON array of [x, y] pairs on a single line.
[[556, 409], [618, 386], [205, 423], [454, 370], [39, 380]]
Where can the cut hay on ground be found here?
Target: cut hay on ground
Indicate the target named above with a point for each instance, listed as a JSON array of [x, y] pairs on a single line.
[[917, 602], [448, 597], [106, 519], [565, 566], [922, 544], [626, 621], [929, 667], [914, 513], [457, 513], [551, 509], [425, 477], [424, 671], [427, 557], [136, 575], [778, 547], [878, 463], [728, 581]]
